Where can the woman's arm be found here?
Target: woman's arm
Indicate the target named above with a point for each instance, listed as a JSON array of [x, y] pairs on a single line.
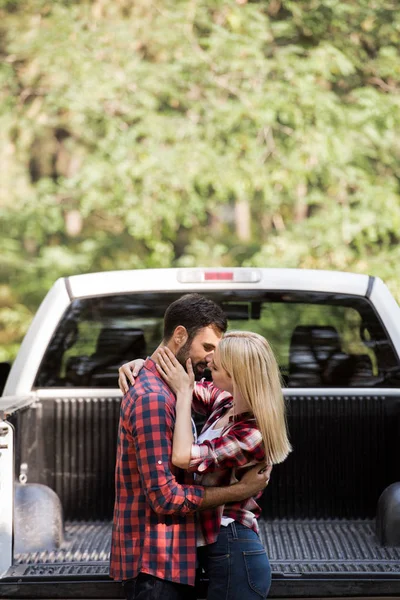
[[181, 382], [242, 445], [128, 372], [183, 432]]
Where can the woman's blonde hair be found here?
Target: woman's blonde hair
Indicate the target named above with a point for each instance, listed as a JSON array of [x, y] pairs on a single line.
[[248, 359]]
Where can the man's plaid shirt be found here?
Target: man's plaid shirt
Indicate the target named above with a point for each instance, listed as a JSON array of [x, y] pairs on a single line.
[[154, 526], [220, 461]]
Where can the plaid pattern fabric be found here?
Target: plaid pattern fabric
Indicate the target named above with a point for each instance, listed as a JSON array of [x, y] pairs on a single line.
[[221, 461], [154, 526]]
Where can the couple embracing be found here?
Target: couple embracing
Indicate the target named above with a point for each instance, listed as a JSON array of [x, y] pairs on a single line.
[[182, 501]]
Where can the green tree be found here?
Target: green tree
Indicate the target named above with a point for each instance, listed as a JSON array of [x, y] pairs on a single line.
[[195, 132]]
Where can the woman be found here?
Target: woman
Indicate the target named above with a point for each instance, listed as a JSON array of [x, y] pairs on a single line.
[[245, 424]]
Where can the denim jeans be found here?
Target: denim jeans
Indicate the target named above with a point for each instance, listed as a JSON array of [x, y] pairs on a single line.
[[236, 564], [148, 587]]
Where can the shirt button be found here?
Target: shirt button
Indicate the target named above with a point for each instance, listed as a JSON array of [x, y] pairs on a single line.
[[160, 462]]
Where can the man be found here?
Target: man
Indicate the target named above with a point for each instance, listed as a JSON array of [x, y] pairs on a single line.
[[154, 530]]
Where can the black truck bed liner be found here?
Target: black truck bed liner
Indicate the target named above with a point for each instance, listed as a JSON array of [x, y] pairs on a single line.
[[294, 547], [318, 511]]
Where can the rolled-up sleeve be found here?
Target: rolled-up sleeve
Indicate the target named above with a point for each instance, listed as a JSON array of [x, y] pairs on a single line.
[[241, 446], [152, 429]]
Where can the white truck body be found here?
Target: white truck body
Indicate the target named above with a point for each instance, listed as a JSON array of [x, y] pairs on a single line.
[[31, 390]]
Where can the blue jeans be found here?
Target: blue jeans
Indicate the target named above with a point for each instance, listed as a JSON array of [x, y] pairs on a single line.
[[236, 564]]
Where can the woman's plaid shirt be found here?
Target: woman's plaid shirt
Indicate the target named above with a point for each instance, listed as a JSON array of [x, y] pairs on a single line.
[[221, 461], [154, 526]]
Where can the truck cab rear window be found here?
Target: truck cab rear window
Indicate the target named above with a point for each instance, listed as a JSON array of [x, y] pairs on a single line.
[[320, 340]]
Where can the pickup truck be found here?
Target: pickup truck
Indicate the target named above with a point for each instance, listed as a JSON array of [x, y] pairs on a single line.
[[331, 513]]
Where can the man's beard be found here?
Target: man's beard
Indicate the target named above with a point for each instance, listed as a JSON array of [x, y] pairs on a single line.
[[200, 368]]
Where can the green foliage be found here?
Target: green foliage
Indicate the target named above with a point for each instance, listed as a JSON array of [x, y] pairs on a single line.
[[195, 132]]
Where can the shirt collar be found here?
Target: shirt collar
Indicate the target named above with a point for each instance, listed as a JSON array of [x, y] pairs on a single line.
[[150, 365]]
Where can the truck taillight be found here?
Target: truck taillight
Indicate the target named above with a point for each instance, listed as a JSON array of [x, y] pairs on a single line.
[[219, 275]]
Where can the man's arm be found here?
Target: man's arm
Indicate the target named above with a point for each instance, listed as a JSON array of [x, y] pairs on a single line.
[[151, 429], [254, 481], [151, 423]]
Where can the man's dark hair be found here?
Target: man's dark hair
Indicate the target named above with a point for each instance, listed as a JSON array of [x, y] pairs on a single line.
[[193, 312]]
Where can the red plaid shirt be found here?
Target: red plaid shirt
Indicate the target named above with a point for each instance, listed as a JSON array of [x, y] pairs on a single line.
[[154, 526], [219, 461]]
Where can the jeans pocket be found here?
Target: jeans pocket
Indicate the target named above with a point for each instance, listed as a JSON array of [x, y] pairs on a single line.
[[217, 551], [258, 571]]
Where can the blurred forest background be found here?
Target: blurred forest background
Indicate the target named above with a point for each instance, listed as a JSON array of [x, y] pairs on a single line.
[[139, 133]]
